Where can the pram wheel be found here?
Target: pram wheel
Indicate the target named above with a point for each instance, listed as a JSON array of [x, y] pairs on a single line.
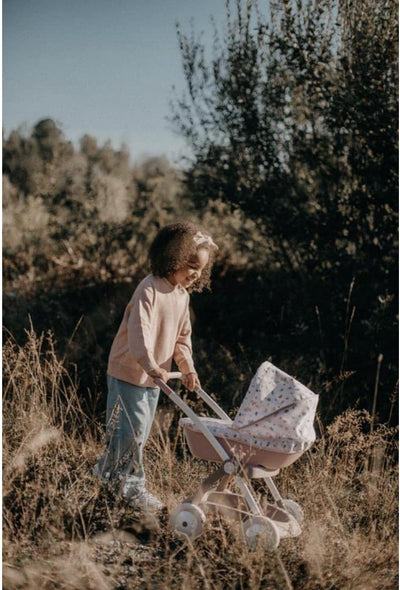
[[260, 530], [187, 520], [294, 510]]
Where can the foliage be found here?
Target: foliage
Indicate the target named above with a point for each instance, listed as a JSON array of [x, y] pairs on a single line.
[[292, 123], [91, 215], [293, 119], [84, 211]]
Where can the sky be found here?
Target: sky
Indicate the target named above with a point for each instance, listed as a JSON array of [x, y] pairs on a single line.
[[102, 67]]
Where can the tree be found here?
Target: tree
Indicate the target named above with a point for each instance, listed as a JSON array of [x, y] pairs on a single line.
[[287, 111], [293, 119]]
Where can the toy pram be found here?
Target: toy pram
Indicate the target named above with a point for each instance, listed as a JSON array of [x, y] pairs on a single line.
[[272, 429]]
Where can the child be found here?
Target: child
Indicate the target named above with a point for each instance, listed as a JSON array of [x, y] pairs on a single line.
[[154, 331]]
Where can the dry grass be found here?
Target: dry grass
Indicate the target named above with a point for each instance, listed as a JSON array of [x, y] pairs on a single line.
[[61, 529]]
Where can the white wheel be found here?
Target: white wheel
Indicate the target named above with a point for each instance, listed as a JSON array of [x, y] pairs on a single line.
[[187, 520], [294, 510], [260, 530]]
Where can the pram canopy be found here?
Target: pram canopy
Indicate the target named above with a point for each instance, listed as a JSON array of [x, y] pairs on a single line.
[[276, 414], [279, 410]]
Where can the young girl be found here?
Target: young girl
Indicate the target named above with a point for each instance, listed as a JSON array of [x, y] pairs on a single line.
[[154, 331]]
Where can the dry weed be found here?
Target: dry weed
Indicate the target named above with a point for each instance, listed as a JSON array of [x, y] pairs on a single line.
[[61, 529]]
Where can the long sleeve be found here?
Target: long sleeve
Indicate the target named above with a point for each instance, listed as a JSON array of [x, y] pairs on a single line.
[[183, 346], [140, 341]]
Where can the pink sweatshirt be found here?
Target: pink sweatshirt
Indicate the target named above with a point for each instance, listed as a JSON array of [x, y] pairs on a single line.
[[154, 331]]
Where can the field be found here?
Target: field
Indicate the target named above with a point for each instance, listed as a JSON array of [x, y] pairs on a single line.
[[290, 123], [62, 529]]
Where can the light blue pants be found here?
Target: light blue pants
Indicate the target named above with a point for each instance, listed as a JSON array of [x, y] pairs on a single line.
[[130, 414]]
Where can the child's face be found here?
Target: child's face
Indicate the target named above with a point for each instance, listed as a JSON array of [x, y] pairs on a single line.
[[188, 275]]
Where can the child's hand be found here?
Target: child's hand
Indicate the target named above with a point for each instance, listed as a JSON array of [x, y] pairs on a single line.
[[160, 373], [191, 381]]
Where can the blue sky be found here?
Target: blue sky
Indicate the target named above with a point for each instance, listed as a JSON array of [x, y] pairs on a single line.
[[106, 68]]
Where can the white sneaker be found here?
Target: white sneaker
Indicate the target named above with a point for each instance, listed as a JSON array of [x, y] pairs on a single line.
[[143, 501], [146, 501]]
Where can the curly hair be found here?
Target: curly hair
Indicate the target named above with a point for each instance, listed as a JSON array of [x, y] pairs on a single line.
[[174, 247]]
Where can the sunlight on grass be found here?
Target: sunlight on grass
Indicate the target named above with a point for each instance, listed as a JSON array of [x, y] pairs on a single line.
[[63, 530]]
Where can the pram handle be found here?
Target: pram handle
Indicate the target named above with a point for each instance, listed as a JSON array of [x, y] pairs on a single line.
[[175, 375], [202, 394]]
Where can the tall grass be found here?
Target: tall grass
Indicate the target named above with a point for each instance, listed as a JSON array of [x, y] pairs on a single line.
[[62, 529]]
